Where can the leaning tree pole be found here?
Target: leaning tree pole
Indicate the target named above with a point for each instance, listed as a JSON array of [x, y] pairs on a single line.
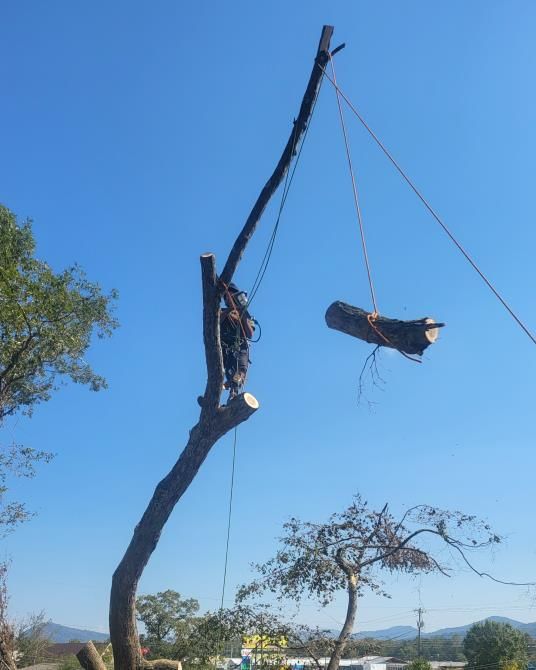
[[214, 421]]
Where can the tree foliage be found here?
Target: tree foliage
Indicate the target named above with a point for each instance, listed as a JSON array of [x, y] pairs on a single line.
[[161, 613], [419, 664], [496, 646], [432, 648], [169, 622], [315, 559], [7, 630], [32, 639], [350, 550], [47, 320], [19, 461]]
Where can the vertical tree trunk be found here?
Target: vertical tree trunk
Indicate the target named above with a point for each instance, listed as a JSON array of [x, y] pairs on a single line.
[[214, 421], [346, 631]]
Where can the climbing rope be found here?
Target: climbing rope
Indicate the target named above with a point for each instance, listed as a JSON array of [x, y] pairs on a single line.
[[428, 206], [355, 192], [229, 518], [227, 541], [371, 318]]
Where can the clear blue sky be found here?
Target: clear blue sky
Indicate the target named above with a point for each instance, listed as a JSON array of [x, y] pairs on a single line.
[[137, 136]]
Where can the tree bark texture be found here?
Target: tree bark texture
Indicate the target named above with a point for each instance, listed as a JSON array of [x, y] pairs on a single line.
[[349, 621], [6, 656], [89, 658], [409, 337], [214, 420]]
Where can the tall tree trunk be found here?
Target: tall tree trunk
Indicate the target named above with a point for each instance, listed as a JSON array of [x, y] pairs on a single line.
[[346, 631], [214, 421]]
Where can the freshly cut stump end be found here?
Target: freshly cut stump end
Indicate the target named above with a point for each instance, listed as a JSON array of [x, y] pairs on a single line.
[[251, 401], [409, 337]]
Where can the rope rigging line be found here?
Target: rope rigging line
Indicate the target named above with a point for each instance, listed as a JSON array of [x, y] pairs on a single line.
[[227, 541], [229, 518], [355, 192], [429, 207], [371, 318]]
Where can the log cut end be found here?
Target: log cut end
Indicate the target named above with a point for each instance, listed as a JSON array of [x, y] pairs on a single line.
[[250, 401], [432, 332], [409, 337]]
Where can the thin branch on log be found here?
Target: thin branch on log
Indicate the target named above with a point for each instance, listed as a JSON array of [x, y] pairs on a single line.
[[370, 364], [283, 165]]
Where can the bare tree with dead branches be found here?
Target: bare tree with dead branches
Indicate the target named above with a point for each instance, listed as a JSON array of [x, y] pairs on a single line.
[[354, 546]]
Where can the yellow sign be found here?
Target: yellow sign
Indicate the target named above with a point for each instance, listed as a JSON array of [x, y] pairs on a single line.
[[263, 641]]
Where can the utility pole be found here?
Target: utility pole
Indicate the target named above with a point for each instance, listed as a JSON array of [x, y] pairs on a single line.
[[420, 626]]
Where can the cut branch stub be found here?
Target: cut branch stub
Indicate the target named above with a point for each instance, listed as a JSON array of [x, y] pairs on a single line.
[[89, 658], [410, 337]]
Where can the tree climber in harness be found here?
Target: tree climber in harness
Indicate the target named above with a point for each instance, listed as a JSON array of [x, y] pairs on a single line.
[[236, 330]]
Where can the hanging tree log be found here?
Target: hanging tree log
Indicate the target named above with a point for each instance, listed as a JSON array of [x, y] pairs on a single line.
[[409, 337]]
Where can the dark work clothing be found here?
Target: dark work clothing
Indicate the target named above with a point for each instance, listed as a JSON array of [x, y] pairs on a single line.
[[234, 333]]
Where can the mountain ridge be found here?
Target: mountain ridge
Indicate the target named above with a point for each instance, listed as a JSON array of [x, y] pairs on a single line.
[[56, 632], [410, 632]]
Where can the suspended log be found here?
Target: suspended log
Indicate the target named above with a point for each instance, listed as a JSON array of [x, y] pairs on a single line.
[[410, 337]]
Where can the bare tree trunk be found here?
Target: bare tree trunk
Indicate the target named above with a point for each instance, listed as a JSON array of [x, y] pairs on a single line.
[[214, 421], [346, 631]]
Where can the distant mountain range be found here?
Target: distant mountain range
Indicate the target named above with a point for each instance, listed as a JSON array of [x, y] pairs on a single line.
[[409, 632], [57, 633]]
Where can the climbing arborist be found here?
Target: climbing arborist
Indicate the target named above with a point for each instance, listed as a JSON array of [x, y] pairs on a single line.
[[236, 330]]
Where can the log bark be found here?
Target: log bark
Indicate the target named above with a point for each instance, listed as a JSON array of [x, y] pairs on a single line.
[[162, 664], [409, 337], [214, 420], [89, 658]]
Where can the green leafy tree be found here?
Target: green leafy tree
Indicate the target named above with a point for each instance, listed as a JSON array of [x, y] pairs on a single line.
[[496, 645], [419, 664], [47, 321], [168, 620]]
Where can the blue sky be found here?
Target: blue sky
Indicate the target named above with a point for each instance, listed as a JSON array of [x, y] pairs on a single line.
[[137, 136]]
